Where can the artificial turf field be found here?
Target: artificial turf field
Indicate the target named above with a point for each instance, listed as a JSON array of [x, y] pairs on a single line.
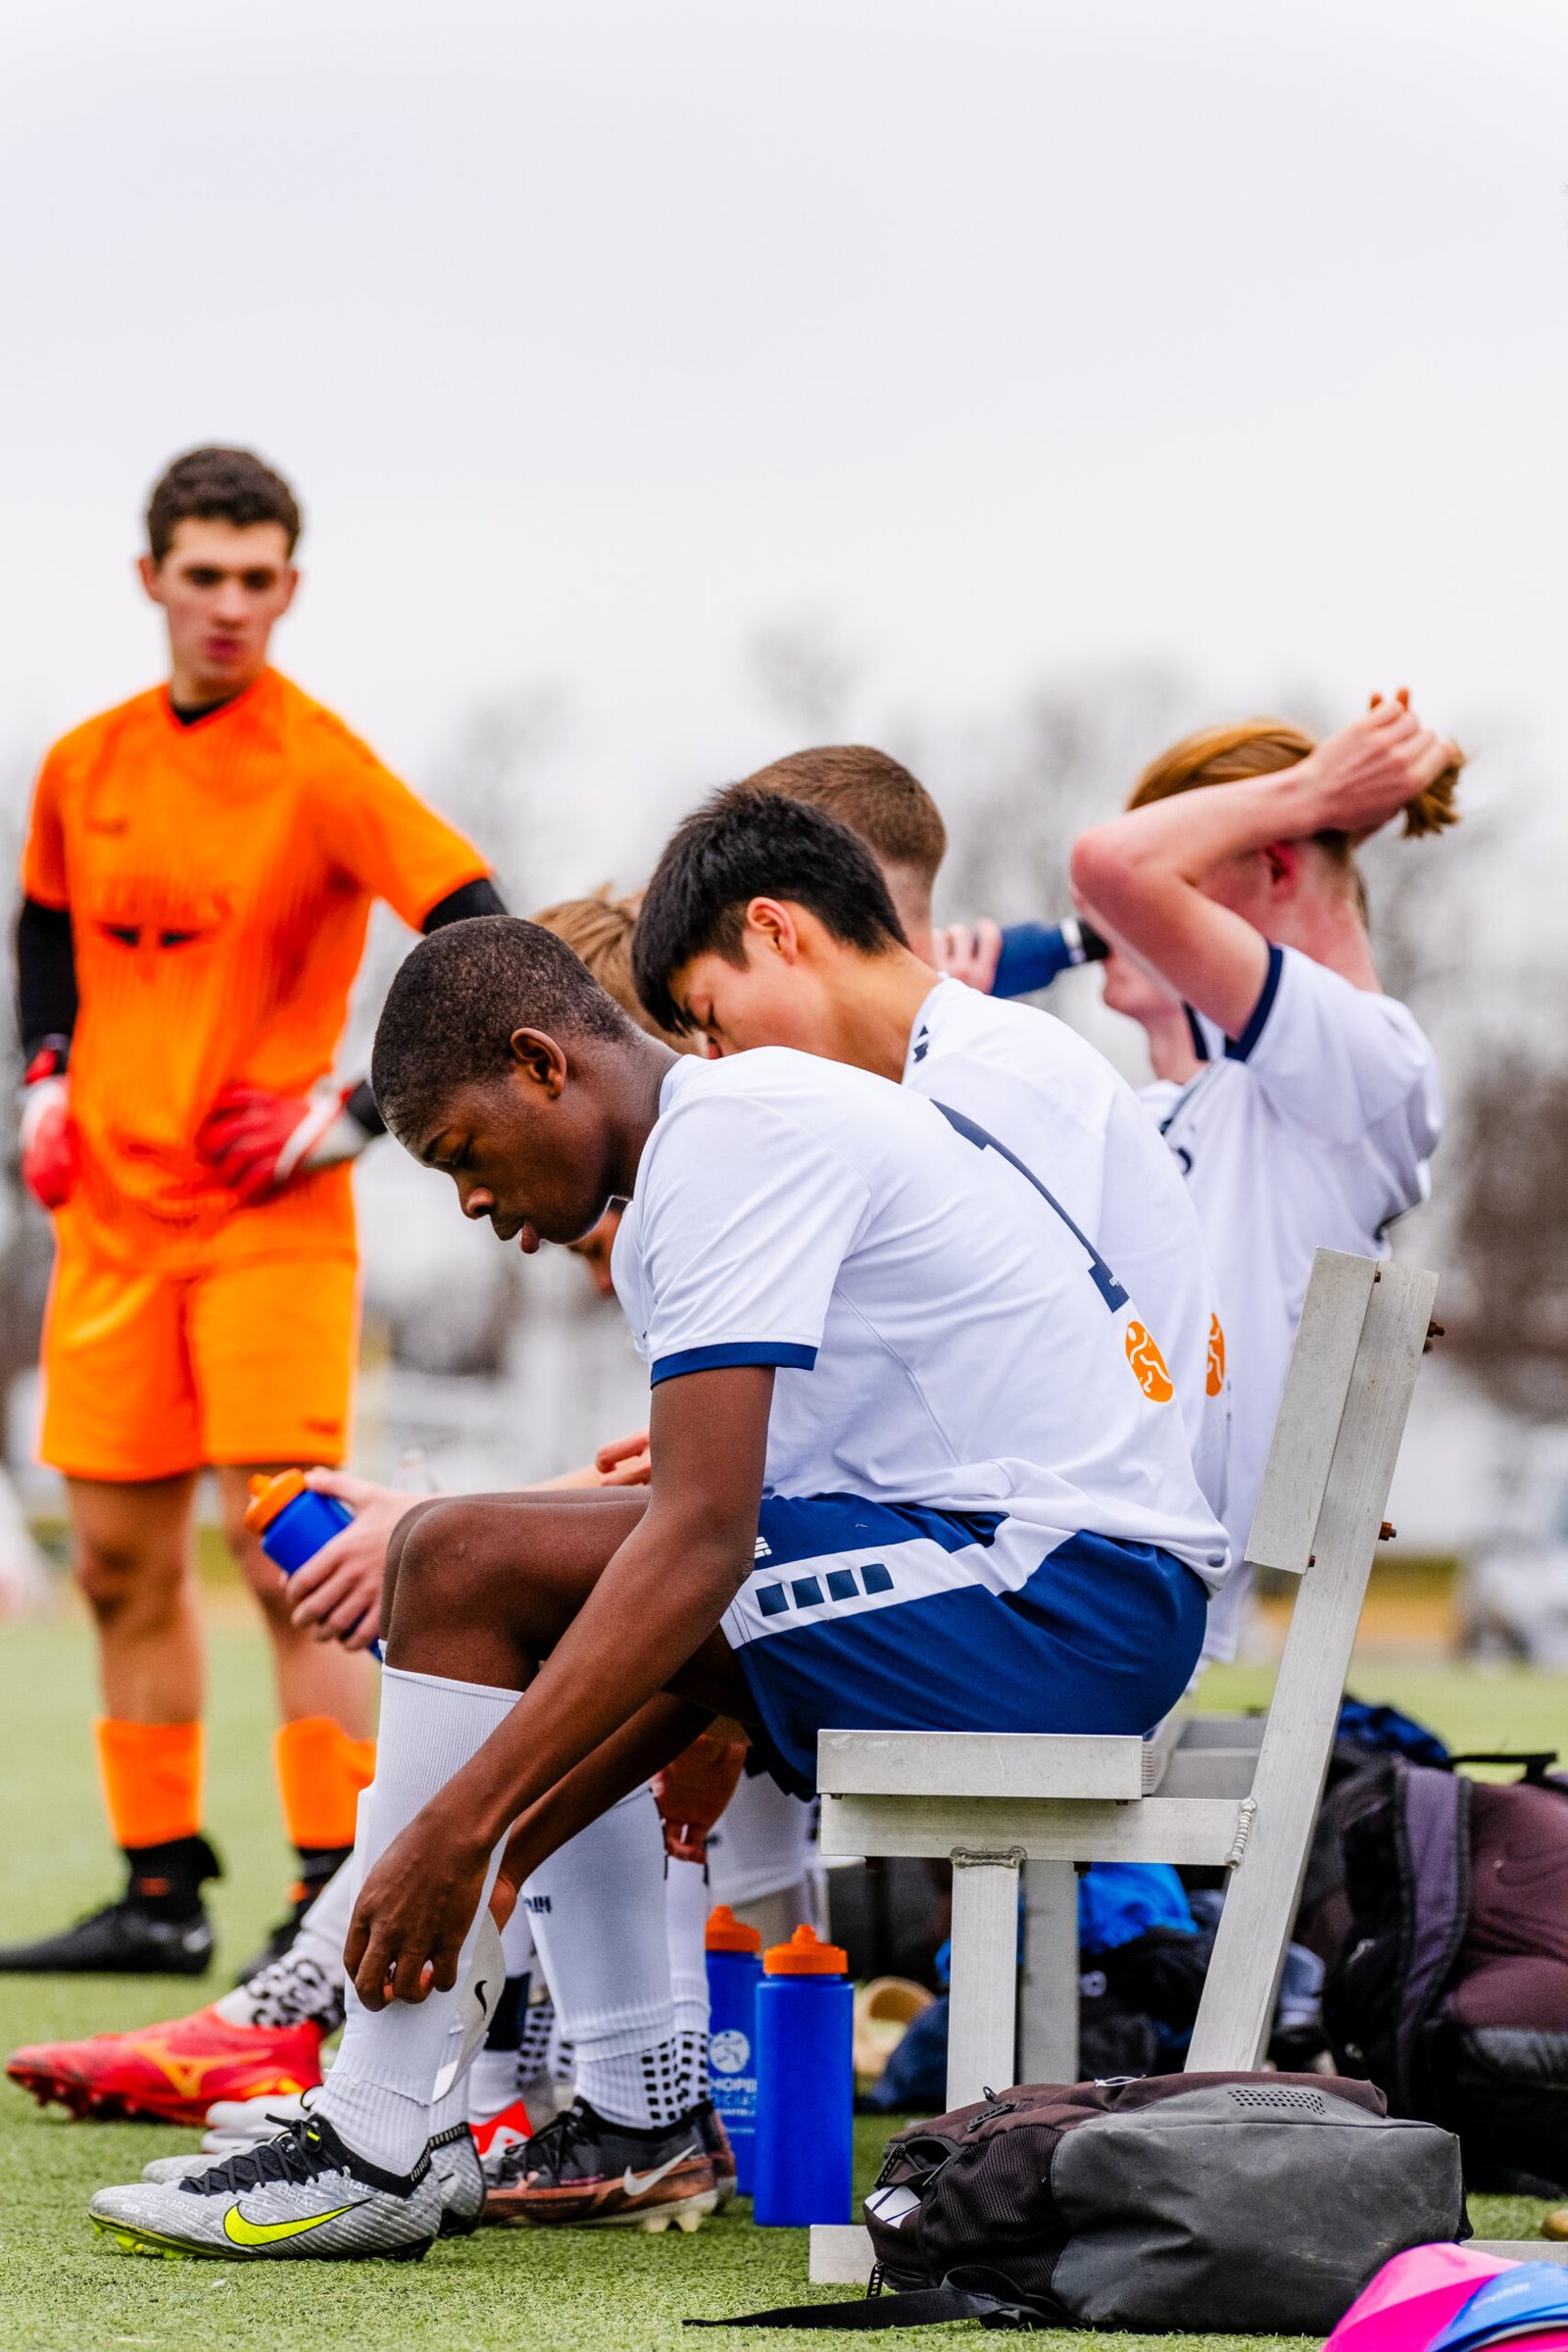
[[62, 2289]]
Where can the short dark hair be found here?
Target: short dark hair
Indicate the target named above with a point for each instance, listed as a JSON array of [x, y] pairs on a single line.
[[455, 1001], [220, 485], [872, 793], [746, 844]]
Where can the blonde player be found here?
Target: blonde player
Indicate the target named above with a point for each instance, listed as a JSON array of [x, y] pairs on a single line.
[[1300, 1102]]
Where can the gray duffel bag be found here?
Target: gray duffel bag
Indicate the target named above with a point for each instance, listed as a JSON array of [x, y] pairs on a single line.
[[1256, 2204]]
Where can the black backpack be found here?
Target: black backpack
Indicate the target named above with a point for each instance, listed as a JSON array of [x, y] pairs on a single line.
[[1448, 1987], [1250, 2203]]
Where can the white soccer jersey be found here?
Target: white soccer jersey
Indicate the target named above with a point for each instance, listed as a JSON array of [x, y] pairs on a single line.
[[1312, 1130], [1056, 1102], [942, 1335]]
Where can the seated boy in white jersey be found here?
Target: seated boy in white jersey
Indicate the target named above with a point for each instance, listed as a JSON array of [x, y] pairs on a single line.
[[905, 1473], [1300, 1102], [768, 922]]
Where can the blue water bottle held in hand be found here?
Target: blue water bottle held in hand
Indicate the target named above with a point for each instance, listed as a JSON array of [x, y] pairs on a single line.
[[1032, 955], [294, 1522], [734, 1972], [804, 2083]]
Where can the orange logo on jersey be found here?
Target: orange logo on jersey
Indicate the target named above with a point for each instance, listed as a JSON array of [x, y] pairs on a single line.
[[1149, 1365], [1215, 1382]]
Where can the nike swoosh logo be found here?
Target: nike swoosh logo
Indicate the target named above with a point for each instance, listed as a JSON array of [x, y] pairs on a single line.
[[637, 2185], [480, 1994], [242, 2233]]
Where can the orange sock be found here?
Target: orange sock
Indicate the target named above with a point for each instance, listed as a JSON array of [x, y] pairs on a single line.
[[152, 1779], [320, 1772]]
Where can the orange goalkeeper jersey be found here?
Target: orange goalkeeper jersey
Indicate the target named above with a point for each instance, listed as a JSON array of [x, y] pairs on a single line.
[[219, 878]]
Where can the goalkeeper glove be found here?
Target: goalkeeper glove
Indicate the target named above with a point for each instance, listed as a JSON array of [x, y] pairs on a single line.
[[47, 1138], [260, 1141]]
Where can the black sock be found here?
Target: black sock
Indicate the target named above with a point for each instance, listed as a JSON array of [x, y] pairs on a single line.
[[165, 1880], [505, 2026], [317, 1864]]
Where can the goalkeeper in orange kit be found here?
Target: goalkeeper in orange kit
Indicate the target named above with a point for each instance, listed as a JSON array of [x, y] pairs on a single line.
[[198, 874]]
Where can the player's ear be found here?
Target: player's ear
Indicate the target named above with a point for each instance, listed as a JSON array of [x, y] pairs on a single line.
[[1282, 863], [771, 925], [147, 573], [538, 1060]]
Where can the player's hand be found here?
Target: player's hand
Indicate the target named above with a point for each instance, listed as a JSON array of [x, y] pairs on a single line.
[[625, 1462], [969, 952], [258, 1141], [691, 1791], [47, 1136], [1370, 770], [337, 1593], [415, 1909]]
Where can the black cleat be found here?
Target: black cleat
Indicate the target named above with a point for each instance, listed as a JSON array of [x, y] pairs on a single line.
[[122, 1939], [159, 1928], [585, 2171], [715, 2139]]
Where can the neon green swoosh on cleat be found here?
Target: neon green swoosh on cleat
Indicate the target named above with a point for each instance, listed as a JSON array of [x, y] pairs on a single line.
[[242, 2233]]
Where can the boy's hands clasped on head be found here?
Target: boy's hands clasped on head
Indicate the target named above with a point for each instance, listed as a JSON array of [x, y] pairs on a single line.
[[1364, 775]]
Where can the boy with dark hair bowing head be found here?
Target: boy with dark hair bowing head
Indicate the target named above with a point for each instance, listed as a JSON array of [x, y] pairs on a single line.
[[905, 1473], [200, 865]]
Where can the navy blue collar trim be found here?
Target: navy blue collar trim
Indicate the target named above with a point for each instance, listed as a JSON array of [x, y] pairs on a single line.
[[1194, 1030], [1238, 1049]]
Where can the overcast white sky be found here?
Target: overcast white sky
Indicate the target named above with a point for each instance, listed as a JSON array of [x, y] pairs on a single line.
[[1009, 335]]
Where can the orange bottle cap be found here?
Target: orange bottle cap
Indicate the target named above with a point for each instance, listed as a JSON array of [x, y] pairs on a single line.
[[806, 1955], [271, 1495], [727, 1934]]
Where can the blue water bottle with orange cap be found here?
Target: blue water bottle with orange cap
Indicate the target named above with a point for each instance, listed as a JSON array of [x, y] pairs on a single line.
[[804, 2083], [734, 1973], [293, 1521]]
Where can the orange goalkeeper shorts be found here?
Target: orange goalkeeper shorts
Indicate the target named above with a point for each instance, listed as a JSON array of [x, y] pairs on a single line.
[[147, 1375]]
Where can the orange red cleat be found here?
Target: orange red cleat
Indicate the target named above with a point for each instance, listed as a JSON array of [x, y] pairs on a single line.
[[171, 2074]]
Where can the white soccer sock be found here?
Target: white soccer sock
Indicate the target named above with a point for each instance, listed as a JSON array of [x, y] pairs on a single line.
[[686, 1909], [378, 2097], [307, 1982], [597, 1910], [516, 1942]]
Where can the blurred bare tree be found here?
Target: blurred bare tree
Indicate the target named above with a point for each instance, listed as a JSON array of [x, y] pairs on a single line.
[[1023, 790], [1506, 1307], [807, 675]]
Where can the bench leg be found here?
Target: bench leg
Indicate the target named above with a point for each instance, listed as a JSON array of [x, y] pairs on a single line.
[[1047, 1997], [980, 2010]]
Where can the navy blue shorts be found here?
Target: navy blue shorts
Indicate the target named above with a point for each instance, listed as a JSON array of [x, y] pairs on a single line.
[[872, 1616]]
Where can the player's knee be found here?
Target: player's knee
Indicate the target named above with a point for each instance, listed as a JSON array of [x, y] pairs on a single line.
[[120, 1580], [430, 1561]]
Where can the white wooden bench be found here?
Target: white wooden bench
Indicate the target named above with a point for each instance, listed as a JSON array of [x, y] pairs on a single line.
[[1238, 1792]]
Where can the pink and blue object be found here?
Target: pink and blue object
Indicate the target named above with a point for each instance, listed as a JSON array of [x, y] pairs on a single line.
[[1446, 2298]]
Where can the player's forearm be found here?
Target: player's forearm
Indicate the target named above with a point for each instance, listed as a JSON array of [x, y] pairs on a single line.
[[1172, 844], [657, 1734], [46, 975], [655, 1605]]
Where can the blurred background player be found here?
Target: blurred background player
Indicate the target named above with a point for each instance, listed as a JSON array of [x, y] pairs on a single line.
[[1302, 1103], [197, 878]]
